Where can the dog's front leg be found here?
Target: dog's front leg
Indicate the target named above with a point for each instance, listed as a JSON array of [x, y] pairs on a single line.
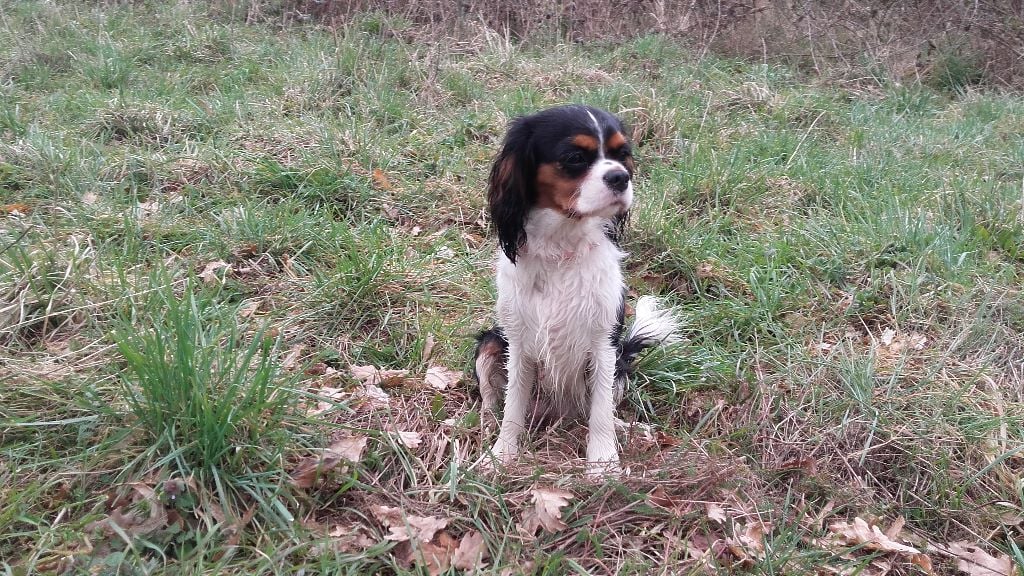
[[602, 452], [522, 373]]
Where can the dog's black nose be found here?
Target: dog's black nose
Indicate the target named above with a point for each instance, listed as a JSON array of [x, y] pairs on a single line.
[[617, 180]]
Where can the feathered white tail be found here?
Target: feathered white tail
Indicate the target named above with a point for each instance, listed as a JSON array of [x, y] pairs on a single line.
[[652, 326]]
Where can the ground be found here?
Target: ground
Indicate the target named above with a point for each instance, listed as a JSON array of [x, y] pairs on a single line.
[[242, 265]]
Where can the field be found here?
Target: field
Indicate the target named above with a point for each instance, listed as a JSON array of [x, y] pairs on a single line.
[[215, 232]]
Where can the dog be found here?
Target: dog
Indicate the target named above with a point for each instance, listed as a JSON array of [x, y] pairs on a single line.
[[559, 195]]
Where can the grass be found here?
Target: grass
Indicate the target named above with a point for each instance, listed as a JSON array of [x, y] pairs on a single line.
[[206, 222]]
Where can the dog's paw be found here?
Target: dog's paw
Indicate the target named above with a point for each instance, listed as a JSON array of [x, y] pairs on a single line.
[[500, 455]]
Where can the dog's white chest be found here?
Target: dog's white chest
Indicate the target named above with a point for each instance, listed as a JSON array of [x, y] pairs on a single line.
[[558, 307]]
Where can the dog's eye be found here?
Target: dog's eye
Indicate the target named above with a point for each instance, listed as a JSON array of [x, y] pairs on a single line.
[[574, 159], [623, 153]]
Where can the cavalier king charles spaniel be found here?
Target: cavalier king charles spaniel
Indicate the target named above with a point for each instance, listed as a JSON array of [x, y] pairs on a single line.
[[559, 197]]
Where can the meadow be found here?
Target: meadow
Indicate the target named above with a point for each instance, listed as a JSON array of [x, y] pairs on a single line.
[[242, 267]]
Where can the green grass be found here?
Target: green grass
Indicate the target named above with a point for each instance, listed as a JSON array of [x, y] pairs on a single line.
[[206, 222]]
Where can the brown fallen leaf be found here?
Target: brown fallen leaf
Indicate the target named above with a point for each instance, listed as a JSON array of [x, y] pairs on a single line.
[[546, 511], [292, 359], [408, 527], [471, 552], [15, 209], [331, 395], [248, 309], [373, 376], [148, 208], [417, 528], [139, 514], [706, 547], [665, 441], [923, 561], [209, 273], [716, 512], [388, 515], [381, 180], [428, 347], [972, 560], [524, 568], [659, 497], [748, 539], [409, 439], [893, 532], [373, 396], [440, 378], [350, 538], [347, 449], [436, 555], [859, 533]]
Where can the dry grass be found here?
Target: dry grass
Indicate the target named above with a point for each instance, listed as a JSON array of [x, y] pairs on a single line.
[[846, 257]]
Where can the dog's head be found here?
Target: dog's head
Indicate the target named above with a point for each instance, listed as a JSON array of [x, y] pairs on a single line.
[[573, 159]]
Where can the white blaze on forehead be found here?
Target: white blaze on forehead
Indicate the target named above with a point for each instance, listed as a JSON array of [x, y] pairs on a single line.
[[600, 135]]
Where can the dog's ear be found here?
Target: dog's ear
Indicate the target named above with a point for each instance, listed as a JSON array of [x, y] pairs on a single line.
[[511, 188]]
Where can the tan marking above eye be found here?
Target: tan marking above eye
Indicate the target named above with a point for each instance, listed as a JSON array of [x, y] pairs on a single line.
[[614, 144], [585, 141]]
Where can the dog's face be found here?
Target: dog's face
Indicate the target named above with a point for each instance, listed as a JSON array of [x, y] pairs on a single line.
[[572, 159]]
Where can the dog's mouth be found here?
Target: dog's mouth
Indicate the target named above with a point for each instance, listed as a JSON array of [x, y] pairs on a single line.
[[610, 210]]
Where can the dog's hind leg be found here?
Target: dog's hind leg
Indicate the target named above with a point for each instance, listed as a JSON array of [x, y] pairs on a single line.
[[490, 367]]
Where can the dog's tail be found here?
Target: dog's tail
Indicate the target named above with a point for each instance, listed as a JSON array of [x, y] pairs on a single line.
[[653, 326]]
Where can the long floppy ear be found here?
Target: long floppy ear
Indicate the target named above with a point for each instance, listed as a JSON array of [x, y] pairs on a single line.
[[511, 190]]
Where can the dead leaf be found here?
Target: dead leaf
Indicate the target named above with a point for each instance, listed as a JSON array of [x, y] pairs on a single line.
[[471, 552], [381, 180], [658, 497], [748, 539], [90, 198], [292, 359], [897, 526], [248, 309], [373, 396], [328, 393], [716, 512], [148, 208], [373, 376], [18, 209], [417, 528], [546, 511], [706, 546], [923, 561], [437, 554], [859, 533], [388, 515], [350, 538], [802, 464], [409, 439], [666, 441], [974, 561], [440, 378], [888, 335], [428, 347], [139, 514], [209, 273], [524, 568], [407, 527], [917, 341], [705, 270], [347, 449]]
